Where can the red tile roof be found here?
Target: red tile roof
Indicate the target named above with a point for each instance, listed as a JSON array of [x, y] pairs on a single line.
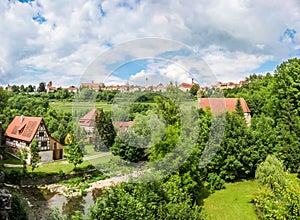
[[23, 128], [89, 118], [123, 125], [218, 105], [186, 85]]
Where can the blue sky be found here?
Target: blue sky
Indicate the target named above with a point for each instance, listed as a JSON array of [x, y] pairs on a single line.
[[43, 40]]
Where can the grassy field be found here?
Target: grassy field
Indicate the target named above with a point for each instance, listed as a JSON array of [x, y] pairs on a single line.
[[10, 160], [232, 203], [89, 150], [78, 106], [56, 166]]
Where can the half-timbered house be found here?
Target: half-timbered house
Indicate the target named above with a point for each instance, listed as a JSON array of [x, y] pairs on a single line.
[[23, 130]]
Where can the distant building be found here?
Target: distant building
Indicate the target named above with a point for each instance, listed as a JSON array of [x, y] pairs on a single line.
[[88, 122], [159, 88], [219, 105], [185, 86], [94, 86], [9, 88], [73, 89], [230, 85], [23, 130], [122, 125], [50, 87]]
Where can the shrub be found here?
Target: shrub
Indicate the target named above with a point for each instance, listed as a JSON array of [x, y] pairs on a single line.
[[215, 182], [279, 194]]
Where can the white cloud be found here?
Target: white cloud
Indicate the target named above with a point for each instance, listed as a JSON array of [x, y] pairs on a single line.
[[161, 72], [233, 66], [75, 34]]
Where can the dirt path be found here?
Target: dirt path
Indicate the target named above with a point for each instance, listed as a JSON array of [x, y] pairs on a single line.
[[96, 156]]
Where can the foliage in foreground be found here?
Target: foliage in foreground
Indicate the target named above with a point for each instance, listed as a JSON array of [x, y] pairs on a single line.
[[142, 201], [279, 194], [18, 209]]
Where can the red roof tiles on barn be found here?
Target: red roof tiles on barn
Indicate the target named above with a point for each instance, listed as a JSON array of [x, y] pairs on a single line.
[[23, 128], [123, 125], [218, 105], [89, 119]]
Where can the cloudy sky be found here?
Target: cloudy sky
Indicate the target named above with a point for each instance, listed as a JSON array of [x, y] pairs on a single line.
[[43, 40]]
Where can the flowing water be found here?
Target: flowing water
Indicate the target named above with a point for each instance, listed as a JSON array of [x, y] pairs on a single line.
[[41, 202]]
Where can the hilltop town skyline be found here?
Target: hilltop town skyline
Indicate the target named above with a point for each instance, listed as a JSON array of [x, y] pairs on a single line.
[[184, 86]]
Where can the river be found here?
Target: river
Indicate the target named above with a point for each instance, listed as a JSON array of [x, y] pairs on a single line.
[[41, 202]]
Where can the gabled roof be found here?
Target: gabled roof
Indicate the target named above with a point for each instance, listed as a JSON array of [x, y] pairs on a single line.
[[23, 128], [89, 118], [123, 125], [218, 105]]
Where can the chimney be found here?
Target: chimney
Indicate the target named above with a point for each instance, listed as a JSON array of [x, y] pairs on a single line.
[[22, 119], [199, 98], [192, 81]]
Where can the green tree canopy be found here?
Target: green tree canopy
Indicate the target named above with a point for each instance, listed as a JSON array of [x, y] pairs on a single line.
[[105, 128]]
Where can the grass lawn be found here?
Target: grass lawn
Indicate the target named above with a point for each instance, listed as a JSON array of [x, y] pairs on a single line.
[[89, 150], [101, 160], [56, 166], [77, 106], [231, 203], [9, 159]]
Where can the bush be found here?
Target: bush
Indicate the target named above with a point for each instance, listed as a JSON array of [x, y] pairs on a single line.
[[18, 209], [279, 194], [215, 182], [271, 172], [15, 177]]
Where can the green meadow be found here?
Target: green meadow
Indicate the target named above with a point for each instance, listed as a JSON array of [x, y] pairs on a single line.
[[232, 203]]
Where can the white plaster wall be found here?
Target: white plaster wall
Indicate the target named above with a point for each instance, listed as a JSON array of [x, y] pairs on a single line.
[[46, 156]]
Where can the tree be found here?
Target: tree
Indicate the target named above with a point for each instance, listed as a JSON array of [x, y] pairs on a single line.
[[61, 133], [105, 128], [42, 87], [263, 140], [15, 89], [126, 150], [239, 109], [271, 172], [29, 88], [232, 159], [143, 201], [23, 155], [278, 196], [35, 158], [194, 89], [3, 99], [73, 152], [286, 108]]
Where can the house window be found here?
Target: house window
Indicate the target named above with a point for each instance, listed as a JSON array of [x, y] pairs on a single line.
[[41, 134], [44, 145]]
